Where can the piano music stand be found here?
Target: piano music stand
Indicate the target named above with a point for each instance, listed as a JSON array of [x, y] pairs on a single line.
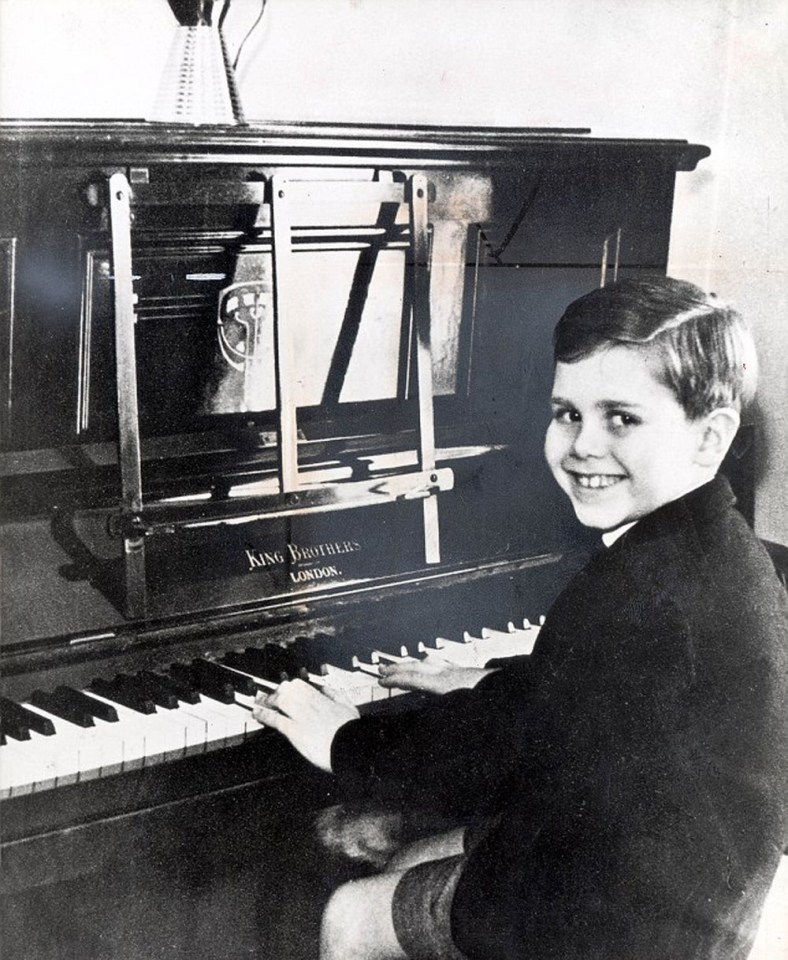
[[137, 519]]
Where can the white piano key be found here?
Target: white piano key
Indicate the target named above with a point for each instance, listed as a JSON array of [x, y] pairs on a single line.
[[216, 728], [18, 774], [141, 742], [169, 734], [462, 654], [376, 692], [40, 752], [267, 684], [116, 749], [35, 760], [359, 686], [380, 656], [238, 722], [81, 749], [196, 730], [63, 749], [510, 643]]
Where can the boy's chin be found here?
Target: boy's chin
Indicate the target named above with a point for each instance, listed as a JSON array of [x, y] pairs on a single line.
[[597, 518]]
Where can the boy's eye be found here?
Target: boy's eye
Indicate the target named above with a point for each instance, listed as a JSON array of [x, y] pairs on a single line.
[[566, 415], [620, 419]]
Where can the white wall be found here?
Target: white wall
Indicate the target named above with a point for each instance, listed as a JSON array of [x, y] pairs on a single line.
[[711, 71]]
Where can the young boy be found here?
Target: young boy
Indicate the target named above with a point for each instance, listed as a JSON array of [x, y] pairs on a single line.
[[627, 782]]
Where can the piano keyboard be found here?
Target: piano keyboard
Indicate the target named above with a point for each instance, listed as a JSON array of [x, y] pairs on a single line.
[[134, 721]]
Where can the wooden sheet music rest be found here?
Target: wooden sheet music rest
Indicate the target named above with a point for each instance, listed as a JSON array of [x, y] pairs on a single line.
[[296, 496]]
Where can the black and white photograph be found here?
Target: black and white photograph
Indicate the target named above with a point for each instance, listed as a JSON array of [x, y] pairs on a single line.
[[393, 517]]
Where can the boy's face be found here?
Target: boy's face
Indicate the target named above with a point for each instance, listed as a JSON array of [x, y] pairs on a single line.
[[619, 443]]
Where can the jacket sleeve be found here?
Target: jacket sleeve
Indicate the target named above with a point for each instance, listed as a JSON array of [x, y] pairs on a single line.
[[454, 754]]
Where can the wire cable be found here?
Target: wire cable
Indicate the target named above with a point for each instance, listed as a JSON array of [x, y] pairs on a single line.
[[248, 34]]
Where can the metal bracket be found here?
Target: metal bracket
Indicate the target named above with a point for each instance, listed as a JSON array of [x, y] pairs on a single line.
[[137, 521], [128, 413]]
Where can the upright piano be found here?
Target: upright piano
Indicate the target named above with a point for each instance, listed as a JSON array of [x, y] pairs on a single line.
[[272, 402]]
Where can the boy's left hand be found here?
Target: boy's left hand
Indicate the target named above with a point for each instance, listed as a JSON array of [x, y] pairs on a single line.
[[308, 718], [430, 675]]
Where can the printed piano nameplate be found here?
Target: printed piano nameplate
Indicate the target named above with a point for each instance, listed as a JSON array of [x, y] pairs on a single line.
[[305, 563], [230, 564]]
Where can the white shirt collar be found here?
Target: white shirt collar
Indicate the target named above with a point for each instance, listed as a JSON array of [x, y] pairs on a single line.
[[611, 536]]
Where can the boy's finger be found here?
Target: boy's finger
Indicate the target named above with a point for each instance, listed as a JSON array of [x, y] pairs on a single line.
[[286, 693], [403, 677], [337, 695], [270, 718]]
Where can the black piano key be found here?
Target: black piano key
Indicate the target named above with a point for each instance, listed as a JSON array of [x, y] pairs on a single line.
[[123, 694], [314, 652], [269, 662], [207, 684], [186, 692], [133, 686], [16, 729], [280, 657], [156, 692], [138, 687], [2, 737], [92, 706], [33, 721], [237, 681], [239, 661], [63, 707]]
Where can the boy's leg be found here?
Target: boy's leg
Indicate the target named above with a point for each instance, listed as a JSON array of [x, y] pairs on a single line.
[[362, 921], [357, 922]]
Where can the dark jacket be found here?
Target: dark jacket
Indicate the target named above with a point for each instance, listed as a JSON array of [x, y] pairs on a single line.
[[638, 758]]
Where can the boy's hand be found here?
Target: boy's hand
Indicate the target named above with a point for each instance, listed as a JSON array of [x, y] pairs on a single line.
[[308, 718], [430, 675]]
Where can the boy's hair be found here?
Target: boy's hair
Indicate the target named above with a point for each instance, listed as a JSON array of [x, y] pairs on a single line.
[[705, 350]]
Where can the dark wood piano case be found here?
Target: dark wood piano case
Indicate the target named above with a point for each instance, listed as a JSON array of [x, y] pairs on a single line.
[[405, 498]]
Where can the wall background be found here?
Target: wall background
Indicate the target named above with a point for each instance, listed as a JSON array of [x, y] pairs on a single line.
[[710, 71]]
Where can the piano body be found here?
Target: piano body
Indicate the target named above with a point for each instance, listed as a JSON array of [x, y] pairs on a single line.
[[272, 400]]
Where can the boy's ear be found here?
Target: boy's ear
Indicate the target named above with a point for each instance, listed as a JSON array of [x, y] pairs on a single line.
[[718, 429]]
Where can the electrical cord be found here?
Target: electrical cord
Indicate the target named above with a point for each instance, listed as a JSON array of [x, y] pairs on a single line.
[[248, 32]]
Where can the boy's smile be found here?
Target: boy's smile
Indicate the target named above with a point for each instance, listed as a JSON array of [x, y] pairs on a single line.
[[620, 444]]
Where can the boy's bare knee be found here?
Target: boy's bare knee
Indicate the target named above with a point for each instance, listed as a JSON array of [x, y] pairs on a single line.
[[357, 922], [340, 932]]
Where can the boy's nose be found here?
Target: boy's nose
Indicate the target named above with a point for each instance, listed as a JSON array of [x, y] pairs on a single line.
[[590, 440]]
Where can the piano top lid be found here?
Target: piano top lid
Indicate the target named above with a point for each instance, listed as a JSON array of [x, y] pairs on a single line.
[[31, 141]]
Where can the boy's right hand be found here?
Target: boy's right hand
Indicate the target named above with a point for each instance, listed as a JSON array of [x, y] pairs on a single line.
[[430, 675], [309, 718]]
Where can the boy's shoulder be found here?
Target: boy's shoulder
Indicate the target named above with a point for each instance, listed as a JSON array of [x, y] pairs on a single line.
[[698, 557], [698, 549], [703, 529]]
